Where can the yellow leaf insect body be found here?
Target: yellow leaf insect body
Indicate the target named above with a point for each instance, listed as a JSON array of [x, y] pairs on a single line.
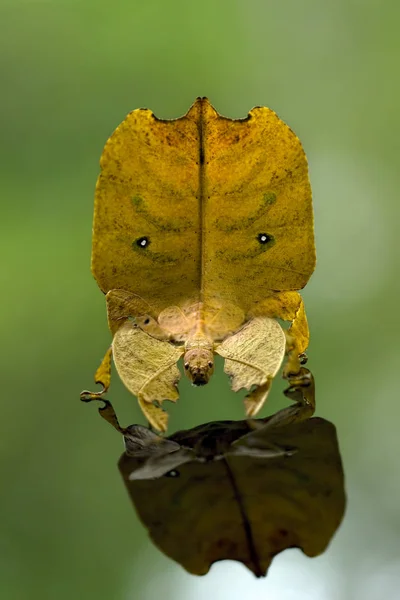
[[202, 235]]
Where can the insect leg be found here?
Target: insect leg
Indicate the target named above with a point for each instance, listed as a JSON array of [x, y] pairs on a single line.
[[289, 306], [302, 392], [102, 377]]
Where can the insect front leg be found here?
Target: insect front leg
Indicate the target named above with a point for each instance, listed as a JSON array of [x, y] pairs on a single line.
[[139, 440], [301, 381], [101, 377], [298, 335]]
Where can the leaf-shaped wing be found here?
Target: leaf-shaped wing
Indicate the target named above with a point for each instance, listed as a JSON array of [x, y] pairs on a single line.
[[253, 356], [147, 367]]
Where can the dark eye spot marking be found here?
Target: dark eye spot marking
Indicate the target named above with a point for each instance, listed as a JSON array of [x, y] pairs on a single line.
[[264, 238], [146, 321], [142, 242], [210, 364], [172, 473]]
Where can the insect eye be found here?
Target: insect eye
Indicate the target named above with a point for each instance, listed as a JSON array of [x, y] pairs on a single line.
[[186, 365], [264, 238], [142, 242], [210, 364]]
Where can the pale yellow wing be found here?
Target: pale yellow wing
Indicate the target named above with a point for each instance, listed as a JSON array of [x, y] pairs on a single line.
[[253, 356], [147, 367]]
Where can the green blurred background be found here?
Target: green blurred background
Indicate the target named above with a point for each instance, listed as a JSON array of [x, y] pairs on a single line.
[[70, 71]]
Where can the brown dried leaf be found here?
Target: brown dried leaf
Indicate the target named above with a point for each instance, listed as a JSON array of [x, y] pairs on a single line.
[[244, 490]]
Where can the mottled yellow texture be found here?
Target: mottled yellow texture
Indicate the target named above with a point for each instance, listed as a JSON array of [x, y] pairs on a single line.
[[202, 188], [203, 233]]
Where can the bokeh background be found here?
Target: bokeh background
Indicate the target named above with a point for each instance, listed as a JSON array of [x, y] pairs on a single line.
[[70, 71]]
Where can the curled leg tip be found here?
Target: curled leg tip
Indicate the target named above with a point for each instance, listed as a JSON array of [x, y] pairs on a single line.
[[90, 397], [86, 396]]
